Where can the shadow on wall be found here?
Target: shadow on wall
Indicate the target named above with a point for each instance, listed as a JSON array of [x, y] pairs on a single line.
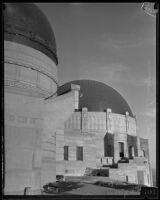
[[109, 145], [132, 146]]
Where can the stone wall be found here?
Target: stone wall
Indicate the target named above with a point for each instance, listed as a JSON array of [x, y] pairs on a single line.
[[129, 172], [28, 71], [131, 126], [73, 139], [121, 123], [100, 123], [30, 139], [23, 132], [74, 121], [59, 151], [117, 123], [109, 122], [55, 113], [97, 120]]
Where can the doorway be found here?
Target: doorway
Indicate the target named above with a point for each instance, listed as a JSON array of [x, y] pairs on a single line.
[[131, 152], [121, 149]]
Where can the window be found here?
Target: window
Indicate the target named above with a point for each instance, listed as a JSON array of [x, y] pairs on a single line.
[[79, 153], [66, 152]]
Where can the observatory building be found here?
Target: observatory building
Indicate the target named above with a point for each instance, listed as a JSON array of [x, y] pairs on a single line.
[[101, 133], [60, 130]]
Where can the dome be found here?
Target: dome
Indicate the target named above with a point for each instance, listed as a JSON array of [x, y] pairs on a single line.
[[97, 96], [25, 23]]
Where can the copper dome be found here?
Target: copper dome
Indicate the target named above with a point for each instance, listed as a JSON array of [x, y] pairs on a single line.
[[25, 23], [97, 96]]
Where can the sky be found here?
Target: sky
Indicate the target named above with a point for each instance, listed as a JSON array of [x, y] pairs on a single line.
[[114, 43]]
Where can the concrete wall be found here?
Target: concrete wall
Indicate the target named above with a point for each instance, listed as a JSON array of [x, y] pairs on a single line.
[[131, 126], [28, 74], [97, 120], [98, 123], [88, 129], [72, 139], [74, 121], [30, 139], [23, 132], [131, 170], [55, 113], [109, 122], [28, 71], [60, 151], [90, 121], [121, 124], [117, 123]]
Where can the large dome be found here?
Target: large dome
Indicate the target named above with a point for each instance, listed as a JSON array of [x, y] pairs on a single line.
[[97, 96], [25, 23]]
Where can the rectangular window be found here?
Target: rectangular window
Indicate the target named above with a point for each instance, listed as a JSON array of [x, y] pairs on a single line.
[[79, 153], [66, 148]]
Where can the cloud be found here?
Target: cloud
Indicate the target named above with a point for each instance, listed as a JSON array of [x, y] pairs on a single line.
[[119, 44], [149, 82], [130, 42], [118, 73], [151, 112], [152, 102], [115, 72], [111, 72], [116, 67]]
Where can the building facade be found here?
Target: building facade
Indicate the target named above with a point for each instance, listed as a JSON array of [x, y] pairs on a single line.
[[32, 109], [49, 132], [105, 137]]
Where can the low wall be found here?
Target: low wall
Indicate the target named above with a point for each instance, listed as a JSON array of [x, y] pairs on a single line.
[[128, 172]]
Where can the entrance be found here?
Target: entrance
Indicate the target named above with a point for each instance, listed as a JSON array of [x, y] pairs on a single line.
[[131, 152], [121, 149]]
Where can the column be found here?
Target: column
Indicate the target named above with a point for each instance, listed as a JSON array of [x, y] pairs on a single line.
[[84, 120], [76, 89], [109, 126]]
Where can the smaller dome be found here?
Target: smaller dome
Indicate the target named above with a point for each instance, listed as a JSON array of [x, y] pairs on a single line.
[[97, 97], [26, 24]]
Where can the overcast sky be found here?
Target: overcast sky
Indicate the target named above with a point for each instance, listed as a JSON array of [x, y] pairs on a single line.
[[114, 43]]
